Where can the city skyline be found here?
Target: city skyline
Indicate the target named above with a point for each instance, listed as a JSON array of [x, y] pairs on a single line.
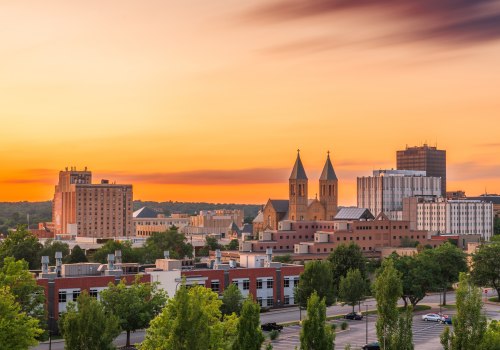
[[196, 101]]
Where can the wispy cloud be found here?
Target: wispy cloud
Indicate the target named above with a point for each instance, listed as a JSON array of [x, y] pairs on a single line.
[[471, 170], [452, 22]]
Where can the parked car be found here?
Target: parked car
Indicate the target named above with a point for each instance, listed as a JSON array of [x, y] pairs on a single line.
[[353, 316], [271, 326], [432, 317], [371, 346], [446, 319]]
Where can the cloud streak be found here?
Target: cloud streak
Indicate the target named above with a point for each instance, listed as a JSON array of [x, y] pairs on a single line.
[[452, 22]]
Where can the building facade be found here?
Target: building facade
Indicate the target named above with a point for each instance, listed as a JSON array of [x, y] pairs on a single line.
[[83, 209], [455, 217], [386, 189], [146, 221], [426, 158]]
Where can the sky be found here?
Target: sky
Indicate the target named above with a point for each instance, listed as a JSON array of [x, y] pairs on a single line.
[[195, 100]]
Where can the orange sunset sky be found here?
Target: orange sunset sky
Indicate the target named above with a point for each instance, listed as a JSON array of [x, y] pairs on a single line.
[[196, 100]]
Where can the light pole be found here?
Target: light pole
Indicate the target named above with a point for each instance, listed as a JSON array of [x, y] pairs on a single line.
[[440, 292], [366, 314]]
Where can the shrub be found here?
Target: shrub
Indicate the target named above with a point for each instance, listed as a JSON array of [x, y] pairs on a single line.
[[344, 326], [273, 334], [333, 326]]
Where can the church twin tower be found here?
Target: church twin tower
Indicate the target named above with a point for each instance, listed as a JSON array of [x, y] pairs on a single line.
[[302, 208]]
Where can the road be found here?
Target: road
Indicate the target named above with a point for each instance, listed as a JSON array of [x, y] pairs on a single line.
[[426, 335]]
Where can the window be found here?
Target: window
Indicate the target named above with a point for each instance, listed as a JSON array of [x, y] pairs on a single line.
[[62, 296], [286, 300], [270, 302], [259, 300], [286, 283], [76, 294], [259, 284], [269, 284], [93, 292], [215, 286], [246, 284]]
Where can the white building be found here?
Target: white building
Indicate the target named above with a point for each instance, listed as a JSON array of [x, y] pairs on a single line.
[[456, 217], [386, 189], [146, 221]]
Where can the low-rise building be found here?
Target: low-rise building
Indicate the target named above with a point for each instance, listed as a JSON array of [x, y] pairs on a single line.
[[147, 221]]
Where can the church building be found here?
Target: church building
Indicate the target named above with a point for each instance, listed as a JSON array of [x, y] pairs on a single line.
[[299, 207]]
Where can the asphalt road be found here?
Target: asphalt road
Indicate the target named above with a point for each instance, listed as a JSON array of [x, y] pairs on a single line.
[[426, 335]]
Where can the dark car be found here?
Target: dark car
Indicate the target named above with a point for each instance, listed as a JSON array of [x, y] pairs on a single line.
[[371, 346], [353, 316], [446, 319], [271, 326]]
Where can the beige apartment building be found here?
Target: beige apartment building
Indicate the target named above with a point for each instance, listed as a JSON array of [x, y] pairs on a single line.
[[83, 209]]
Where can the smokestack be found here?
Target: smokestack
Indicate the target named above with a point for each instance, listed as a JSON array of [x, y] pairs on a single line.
[[166, 254], [111, 262], [58, 263], [45, 264], [118, 257], [218, 257], [269, 255]]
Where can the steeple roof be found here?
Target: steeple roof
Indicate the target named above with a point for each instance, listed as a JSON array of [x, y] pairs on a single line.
[[298, 172], [328, 173]]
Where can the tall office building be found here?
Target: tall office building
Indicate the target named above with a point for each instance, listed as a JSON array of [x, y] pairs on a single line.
[[426, 158], [83, 209], [386, 189]]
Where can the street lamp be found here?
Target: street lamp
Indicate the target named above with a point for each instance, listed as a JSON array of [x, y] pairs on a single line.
[[366, 314]]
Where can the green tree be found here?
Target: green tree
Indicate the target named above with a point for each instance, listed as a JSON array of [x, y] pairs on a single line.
[[21, 244], [491, 339], [387, 289], [86, 325], [171, 240], [317, 277], [128, 254], [343, 259], [77, 255], [352, 288], [486, 266], [315, 334], [496, 227], [231, 300], [285, 259], [212, 243], [233, 245], [249, 335], [18, 331], [403, 337], [416, 276], [469, 324], [445, 264], [190, 321], [135, 305], [30, 296], [51, 247]]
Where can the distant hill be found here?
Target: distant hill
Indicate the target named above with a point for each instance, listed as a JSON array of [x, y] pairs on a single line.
[[14, 213]]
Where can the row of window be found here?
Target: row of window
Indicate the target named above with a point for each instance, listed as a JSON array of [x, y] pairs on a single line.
[[287, 282], [68, 295]]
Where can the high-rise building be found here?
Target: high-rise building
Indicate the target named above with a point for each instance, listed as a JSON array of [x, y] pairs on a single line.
[[386, 189], [426, 158], [83, 209]]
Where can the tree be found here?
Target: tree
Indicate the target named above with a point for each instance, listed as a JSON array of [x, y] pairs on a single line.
[[233, 245], [212, 243], [77, 255], [171, 240], [128, 254], [403, 337], [190, 321], [30, 296], [317, 277], [86, 325], [491, 339], [249, 335], [231, 300], [18, 331], [135, 306], [387, 289], [284, 259], [496, 227], [416, 277], [469, 324], [343, 259], [445, 263], [51, 247], [315, 334], [486, 266], [352, 288], [21, 244]]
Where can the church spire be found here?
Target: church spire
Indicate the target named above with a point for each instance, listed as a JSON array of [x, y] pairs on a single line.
[[328, 173], [298, 172]]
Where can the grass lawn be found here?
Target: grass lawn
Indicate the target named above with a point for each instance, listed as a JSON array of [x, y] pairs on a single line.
[[494, 299]]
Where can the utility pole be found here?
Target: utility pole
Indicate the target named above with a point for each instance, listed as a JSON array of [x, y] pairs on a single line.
[[366, 324]]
